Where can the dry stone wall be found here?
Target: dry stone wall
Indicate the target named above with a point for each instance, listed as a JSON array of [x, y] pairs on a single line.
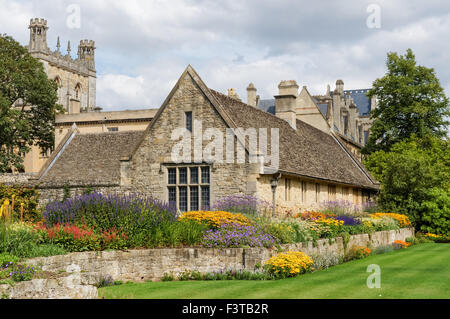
[[151, 264]]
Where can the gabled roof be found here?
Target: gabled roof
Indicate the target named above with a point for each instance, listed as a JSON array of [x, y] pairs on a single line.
[[94, 159], [306, 151], [90, 159]]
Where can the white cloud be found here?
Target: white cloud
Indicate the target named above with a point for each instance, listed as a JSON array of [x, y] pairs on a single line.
[[143, 46]]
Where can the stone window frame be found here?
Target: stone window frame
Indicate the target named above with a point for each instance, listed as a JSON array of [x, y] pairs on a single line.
[[113, 129], [201, 186]]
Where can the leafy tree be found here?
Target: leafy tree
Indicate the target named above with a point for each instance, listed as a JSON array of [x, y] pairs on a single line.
[[27, 104], [410, 101], [415, 178]]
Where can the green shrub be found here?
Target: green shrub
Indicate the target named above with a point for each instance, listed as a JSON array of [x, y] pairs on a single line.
[[357, 252], [327, 260], [19, 239], [168, 277], [412, 240], [422, 239], [435, 212], [46, 250], [6, 258], [172, 234]]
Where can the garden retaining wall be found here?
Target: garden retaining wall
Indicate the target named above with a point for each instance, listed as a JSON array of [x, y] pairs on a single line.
[[151, 264]]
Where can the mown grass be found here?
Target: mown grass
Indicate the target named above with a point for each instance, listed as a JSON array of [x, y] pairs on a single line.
[[421, 271]]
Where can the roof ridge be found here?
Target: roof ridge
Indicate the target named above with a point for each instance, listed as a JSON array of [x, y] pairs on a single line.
[[254, 108]]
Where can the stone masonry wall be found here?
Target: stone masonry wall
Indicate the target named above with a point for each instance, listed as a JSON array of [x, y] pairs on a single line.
[[148, 173], [151, 264], [50, 194], [15, 179]]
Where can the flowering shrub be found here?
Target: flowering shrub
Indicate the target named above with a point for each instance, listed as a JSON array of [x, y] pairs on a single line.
[[348, 220], [399, 244], [289, 264], [126, 213], [326, 260], [437, 238], [339, 207], [357, 252], [311, 215], [216, 219], [16, 272], [329, 222], [21, 199], [283, 232], [241, 203], [403, 220], [83, 238], [237, 235]]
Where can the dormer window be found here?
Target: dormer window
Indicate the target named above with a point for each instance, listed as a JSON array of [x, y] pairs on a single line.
[[189, 121]]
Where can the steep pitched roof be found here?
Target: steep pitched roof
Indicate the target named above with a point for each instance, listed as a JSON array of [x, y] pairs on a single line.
[[306, 151], [94, 159], [90, 159]]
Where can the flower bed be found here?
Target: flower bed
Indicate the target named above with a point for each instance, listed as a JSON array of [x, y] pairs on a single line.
[[216, 218], [237, 235], [289, 264]]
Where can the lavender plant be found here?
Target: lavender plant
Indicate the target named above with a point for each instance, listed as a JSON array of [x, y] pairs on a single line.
[[244, 204], [127, 213], [234, 235], [341, 208]]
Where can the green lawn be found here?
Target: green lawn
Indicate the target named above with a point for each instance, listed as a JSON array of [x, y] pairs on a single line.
[[421, 271]]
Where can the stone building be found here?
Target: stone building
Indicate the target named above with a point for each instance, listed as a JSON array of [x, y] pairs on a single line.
[[313, 165], [345, 112], [76, 79]]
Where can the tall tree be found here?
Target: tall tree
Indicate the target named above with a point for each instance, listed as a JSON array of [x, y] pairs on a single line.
[[27, 104], [415, 180], [410, 101]]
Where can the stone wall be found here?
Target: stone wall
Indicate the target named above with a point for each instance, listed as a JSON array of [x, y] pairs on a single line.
[[151, 264], [50, 194], [147, 171], [16, 179], [73, 285]]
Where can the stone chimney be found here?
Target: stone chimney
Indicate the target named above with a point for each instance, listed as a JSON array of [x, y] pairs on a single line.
[[232, 93], [251, 95], [339, 87], [286, 102]]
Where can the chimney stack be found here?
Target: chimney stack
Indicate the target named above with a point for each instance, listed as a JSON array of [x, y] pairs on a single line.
[[340, 87], [251, 95], [232, 93], [286, 102]]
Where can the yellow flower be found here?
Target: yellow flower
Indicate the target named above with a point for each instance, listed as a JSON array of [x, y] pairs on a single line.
[[216, 218], [403, 220]]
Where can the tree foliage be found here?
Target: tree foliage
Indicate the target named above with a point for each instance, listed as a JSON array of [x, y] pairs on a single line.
[[27, 104], [410, 101], [415, 178]]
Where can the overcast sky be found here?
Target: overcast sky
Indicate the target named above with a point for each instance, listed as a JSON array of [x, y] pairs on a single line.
[[144, 46]]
